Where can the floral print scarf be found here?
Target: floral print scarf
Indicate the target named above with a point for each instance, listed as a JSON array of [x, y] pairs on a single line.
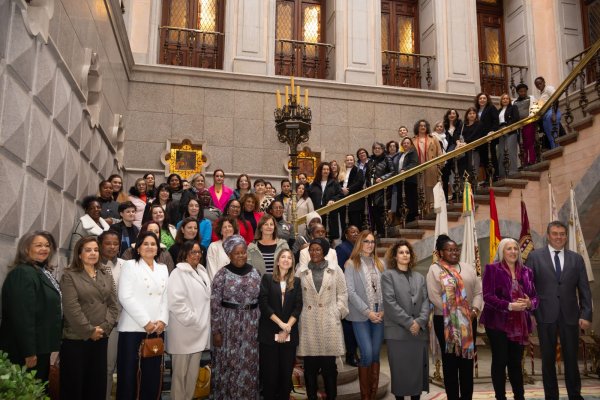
[[458, 332]]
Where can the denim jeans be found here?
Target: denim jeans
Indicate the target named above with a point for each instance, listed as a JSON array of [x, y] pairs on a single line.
[[548, 125], [369, 337]]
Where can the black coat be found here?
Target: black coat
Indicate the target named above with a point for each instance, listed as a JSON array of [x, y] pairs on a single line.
[[356, 182], [511, 115], [379, 167], [411, 160], [333, 191], [488, 122], [269, 301]]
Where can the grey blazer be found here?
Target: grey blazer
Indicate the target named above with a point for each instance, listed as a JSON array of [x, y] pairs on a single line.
[[88, 303], [567, 300], [404, 301], [358, 302]]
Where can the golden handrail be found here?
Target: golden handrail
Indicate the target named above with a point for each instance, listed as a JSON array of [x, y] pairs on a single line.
[[574, 74]]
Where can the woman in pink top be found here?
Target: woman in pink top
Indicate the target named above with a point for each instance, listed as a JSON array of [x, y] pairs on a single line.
[[220, 193]]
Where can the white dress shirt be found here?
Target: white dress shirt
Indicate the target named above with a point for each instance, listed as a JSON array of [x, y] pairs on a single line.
[[561, 257]]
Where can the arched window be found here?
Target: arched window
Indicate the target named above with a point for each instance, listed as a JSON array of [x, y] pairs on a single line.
[[191, 33], [400, 43], [300, 48]]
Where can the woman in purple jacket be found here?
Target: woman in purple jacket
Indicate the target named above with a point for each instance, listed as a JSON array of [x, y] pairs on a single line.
[[510, 298]]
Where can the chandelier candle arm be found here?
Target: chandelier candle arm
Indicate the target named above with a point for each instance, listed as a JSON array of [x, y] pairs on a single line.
[[278, 99], [306, 98]]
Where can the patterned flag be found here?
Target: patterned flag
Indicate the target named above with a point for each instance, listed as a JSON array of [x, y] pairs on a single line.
[[495, 237], [470, 250], [525, 240], [551, 201], [576, 240]]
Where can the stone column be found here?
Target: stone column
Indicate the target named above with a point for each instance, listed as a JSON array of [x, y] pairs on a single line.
[[450, 28], [247, 44], [357, 40]]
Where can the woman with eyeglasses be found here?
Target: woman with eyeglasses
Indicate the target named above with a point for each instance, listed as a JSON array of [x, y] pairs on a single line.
[[188, 295], [365, 302], [454, 289]]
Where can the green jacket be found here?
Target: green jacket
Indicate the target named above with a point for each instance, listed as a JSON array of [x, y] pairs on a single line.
[[31, 314]]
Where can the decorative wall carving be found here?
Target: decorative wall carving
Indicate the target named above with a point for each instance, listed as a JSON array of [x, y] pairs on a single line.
[[91, 85], [117, 138], [37, 15]]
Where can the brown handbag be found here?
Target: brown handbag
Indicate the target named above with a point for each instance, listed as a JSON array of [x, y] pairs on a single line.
[[151, 347]]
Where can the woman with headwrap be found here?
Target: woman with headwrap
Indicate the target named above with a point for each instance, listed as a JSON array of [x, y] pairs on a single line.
[[234, 323], [325, 303], [454, 289]]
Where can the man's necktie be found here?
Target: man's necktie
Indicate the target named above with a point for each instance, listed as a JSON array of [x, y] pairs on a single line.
[[557, 264]]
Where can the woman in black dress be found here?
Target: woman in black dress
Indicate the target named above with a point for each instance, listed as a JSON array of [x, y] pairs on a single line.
[[323, 191]]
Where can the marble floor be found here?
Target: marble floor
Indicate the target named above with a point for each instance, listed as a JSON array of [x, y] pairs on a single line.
[[483, 384]]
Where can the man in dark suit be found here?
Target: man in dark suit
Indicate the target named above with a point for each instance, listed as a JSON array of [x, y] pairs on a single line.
[[353, 183], [565, 307]]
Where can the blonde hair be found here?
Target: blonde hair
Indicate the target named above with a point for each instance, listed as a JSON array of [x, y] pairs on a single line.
[[357, 250]]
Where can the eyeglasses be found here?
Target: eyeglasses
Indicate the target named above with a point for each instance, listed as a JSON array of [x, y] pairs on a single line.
[[195, 252], [234, 206], [368, 241]]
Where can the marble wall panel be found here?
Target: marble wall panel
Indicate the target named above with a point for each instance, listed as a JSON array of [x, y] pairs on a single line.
[[218, 131], [33, 203], [273, 162], [151, 97], [248, 133], [38, 150], [70, 213], [72, 162], [94, 154], [248, 105], [188, 126], [361, 114], [143, 154], [361, 137], [53, 209], [245, 159], [14, 127], [188, 100], [270, 140], [334, 112], [86, 137], [335, 139], [67, 38], [12, 177], [219, 103], [77, 119], [21, 49], [62, 98], [45, 75], [148, 126], [57, 167], [221, 157], [5, 14]]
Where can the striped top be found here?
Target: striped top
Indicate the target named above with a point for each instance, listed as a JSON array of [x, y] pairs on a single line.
[[268, 253]]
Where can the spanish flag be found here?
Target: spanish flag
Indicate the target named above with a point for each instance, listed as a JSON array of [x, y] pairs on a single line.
[[495, 237]]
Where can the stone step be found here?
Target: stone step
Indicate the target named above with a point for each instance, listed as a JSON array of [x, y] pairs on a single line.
[[583, 123], [422, 224], [511, 182], [397, 232], [528, 175], [568, 139], [452, 215], [539, 167], [498, 191], [554, 153]]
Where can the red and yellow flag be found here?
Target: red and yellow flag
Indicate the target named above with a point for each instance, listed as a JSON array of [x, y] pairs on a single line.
[[495, 237]]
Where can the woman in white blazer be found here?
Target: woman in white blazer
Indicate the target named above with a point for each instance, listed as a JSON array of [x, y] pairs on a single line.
[[189, 316], [143, 296]]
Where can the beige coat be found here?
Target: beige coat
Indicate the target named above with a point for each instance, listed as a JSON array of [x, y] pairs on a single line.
[[322, 313], [434, 149]]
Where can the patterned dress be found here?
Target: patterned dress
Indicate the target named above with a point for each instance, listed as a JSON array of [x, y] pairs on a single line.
[[235, 373]]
